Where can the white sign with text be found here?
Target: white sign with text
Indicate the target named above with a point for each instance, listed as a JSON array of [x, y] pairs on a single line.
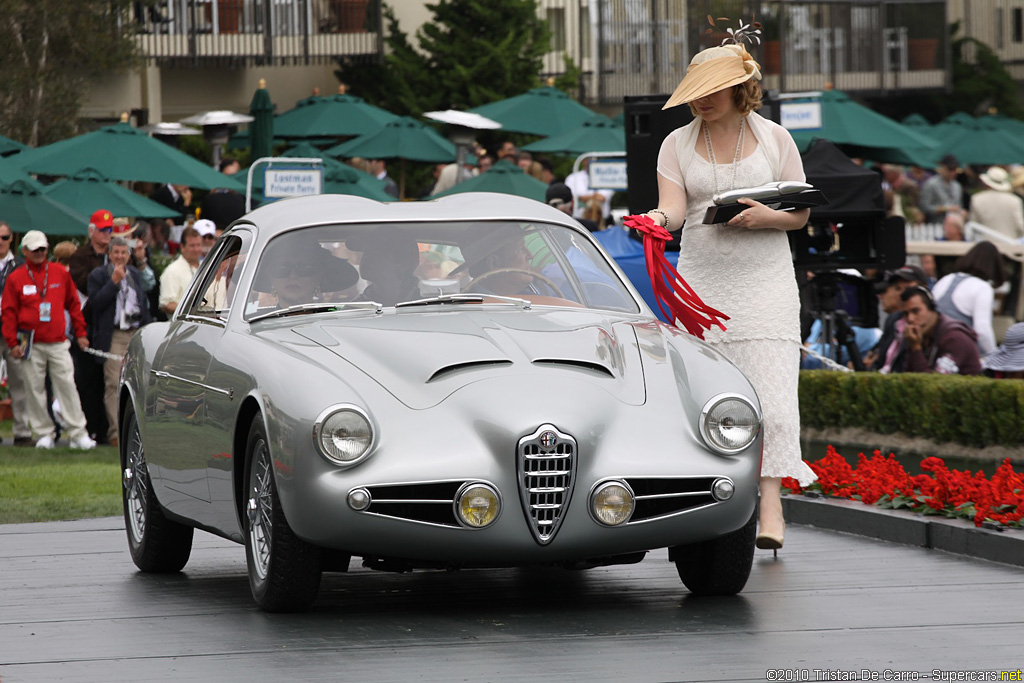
[[801, 115], [292, 182], [608, 175]]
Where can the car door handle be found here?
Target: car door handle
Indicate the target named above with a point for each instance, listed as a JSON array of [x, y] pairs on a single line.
[[160, 374]]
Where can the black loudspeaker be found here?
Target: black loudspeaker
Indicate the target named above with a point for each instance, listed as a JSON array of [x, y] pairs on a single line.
[[647, 125]]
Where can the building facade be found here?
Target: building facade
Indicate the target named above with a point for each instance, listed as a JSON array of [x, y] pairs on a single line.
[[210, 54]]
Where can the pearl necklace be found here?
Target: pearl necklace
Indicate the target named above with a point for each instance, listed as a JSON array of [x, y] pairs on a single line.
[[735, 159]]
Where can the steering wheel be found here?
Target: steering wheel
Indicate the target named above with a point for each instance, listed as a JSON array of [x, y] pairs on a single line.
[[498, 271]]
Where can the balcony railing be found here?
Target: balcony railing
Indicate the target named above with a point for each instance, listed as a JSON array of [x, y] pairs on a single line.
[[637, 47], [236, 32]]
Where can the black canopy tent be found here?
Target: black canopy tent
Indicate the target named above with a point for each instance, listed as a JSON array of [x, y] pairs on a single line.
[[852, 230]]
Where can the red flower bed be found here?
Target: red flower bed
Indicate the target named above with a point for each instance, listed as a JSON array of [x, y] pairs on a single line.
[[882, 481]]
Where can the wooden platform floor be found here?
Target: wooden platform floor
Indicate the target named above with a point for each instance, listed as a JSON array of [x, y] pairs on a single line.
[[73, 607]]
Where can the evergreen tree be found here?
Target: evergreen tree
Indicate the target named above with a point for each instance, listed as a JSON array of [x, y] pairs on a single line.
[[51, 50], [980, 83], [471, 53]]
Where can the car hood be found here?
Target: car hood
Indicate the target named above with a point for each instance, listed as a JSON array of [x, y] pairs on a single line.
[[422, 358]]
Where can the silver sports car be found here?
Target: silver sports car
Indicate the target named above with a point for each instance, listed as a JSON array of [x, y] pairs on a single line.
[[469, 382]]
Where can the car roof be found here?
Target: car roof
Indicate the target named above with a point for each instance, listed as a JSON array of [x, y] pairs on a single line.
[[336, 208]]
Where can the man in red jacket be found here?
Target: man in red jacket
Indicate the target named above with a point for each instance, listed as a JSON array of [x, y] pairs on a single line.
[[35, 298]]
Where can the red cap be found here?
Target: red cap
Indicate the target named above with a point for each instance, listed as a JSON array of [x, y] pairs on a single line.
[[101, 218]]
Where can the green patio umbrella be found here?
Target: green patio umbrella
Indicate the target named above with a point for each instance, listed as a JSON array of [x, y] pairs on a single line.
[[25, 208], [9, 146], [504, 177], [89, 190], [337, 116], [261, 130], [405, 139], [121, 152], [1015, 126], [347, 180], [917, 121], [862, 132], [978, 142], [309, 151], [11, 171], [541, 111], [597, 134]]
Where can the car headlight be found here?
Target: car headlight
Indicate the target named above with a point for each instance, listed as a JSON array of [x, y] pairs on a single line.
[[612, 503], [343, 434], [477, 505], [729, 423]]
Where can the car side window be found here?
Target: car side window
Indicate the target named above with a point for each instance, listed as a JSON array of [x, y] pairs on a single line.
[[218, 289]]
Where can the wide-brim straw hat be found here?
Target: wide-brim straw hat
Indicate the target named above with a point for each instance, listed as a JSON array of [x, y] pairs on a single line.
[[714, 69], [997, 178], [1009, 357]]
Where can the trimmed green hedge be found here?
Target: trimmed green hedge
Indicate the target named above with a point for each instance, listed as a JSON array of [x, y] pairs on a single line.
[[973, 411]]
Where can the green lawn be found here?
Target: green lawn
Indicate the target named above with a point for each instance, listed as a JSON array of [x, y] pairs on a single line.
[[43, 486]]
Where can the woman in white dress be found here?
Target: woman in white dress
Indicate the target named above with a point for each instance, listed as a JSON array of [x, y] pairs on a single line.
[[744, 267]]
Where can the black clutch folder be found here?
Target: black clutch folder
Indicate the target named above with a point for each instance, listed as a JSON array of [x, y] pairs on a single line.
[[770, 197]]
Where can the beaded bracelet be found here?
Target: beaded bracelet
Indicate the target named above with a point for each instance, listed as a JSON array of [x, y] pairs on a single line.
[[664, 215]]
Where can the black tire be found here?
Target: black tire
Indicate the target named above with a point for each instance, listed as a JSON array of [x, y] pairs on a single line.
[[720, 566], [157, 544], [284, 571]]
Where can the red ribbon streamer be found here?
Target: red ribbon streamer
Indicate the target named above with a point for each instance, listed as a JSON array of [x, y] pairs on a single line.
[[671, 290]]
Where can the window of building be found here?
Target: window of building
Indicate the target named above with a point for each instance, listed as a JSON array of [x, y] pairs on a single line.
[[556, 22], [1018, 25]]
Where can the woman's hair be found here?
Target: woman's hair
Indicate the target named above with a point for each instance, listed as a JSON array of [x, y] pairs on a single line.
[[746, 96], [62, 251], [983, 261]]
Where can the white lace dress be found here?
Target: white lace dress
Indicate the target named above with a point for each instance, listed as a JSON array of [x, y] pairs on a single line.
[[748, 275]]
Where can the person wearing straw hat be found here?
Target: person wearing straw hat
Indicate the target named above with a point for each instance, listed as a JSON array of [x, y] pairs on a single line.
[[1007, 361], [744, 267], [997, 207]]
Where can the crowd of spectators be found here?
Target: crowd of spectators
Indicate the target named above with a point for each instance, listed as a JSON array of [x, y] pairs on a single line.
[[66, 321], [943, 322], [591, 206]]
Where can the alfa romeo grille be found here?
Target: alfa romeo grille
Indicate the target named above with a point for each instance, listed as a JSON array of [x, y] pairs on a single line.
[[547, 469]]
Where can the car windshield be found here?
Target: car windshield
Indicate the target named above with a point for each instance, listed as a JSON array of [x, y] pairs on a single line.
[[397, 263]]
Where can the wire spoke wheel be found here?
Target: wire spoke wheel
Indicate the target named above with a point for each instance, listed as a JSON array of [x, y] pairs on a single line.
[[284, 570], [136, 483], [157, 544], [260, 509]]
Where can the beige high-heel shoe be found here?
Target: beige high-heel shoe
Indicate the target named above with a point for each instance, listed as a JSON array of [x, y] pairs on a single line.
[[766, 541]]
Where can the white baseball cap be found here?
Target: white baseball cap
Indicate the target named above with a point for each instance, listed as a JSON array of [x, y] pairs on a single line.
[[205, 227]]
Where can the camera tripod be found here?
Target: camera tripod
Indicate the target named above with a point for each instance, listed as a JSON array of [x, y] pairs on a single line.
[[835, 332]]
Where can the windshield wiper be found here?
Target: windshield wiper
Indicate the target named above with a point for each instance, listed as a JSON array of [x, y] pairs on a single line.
[[317, 308], [468, 298]]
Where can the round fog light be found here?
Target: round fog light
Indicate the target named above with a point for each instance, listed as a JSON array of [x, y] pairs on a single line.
[[477, 506], [359, 499], [722, 489], [612, 503]]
